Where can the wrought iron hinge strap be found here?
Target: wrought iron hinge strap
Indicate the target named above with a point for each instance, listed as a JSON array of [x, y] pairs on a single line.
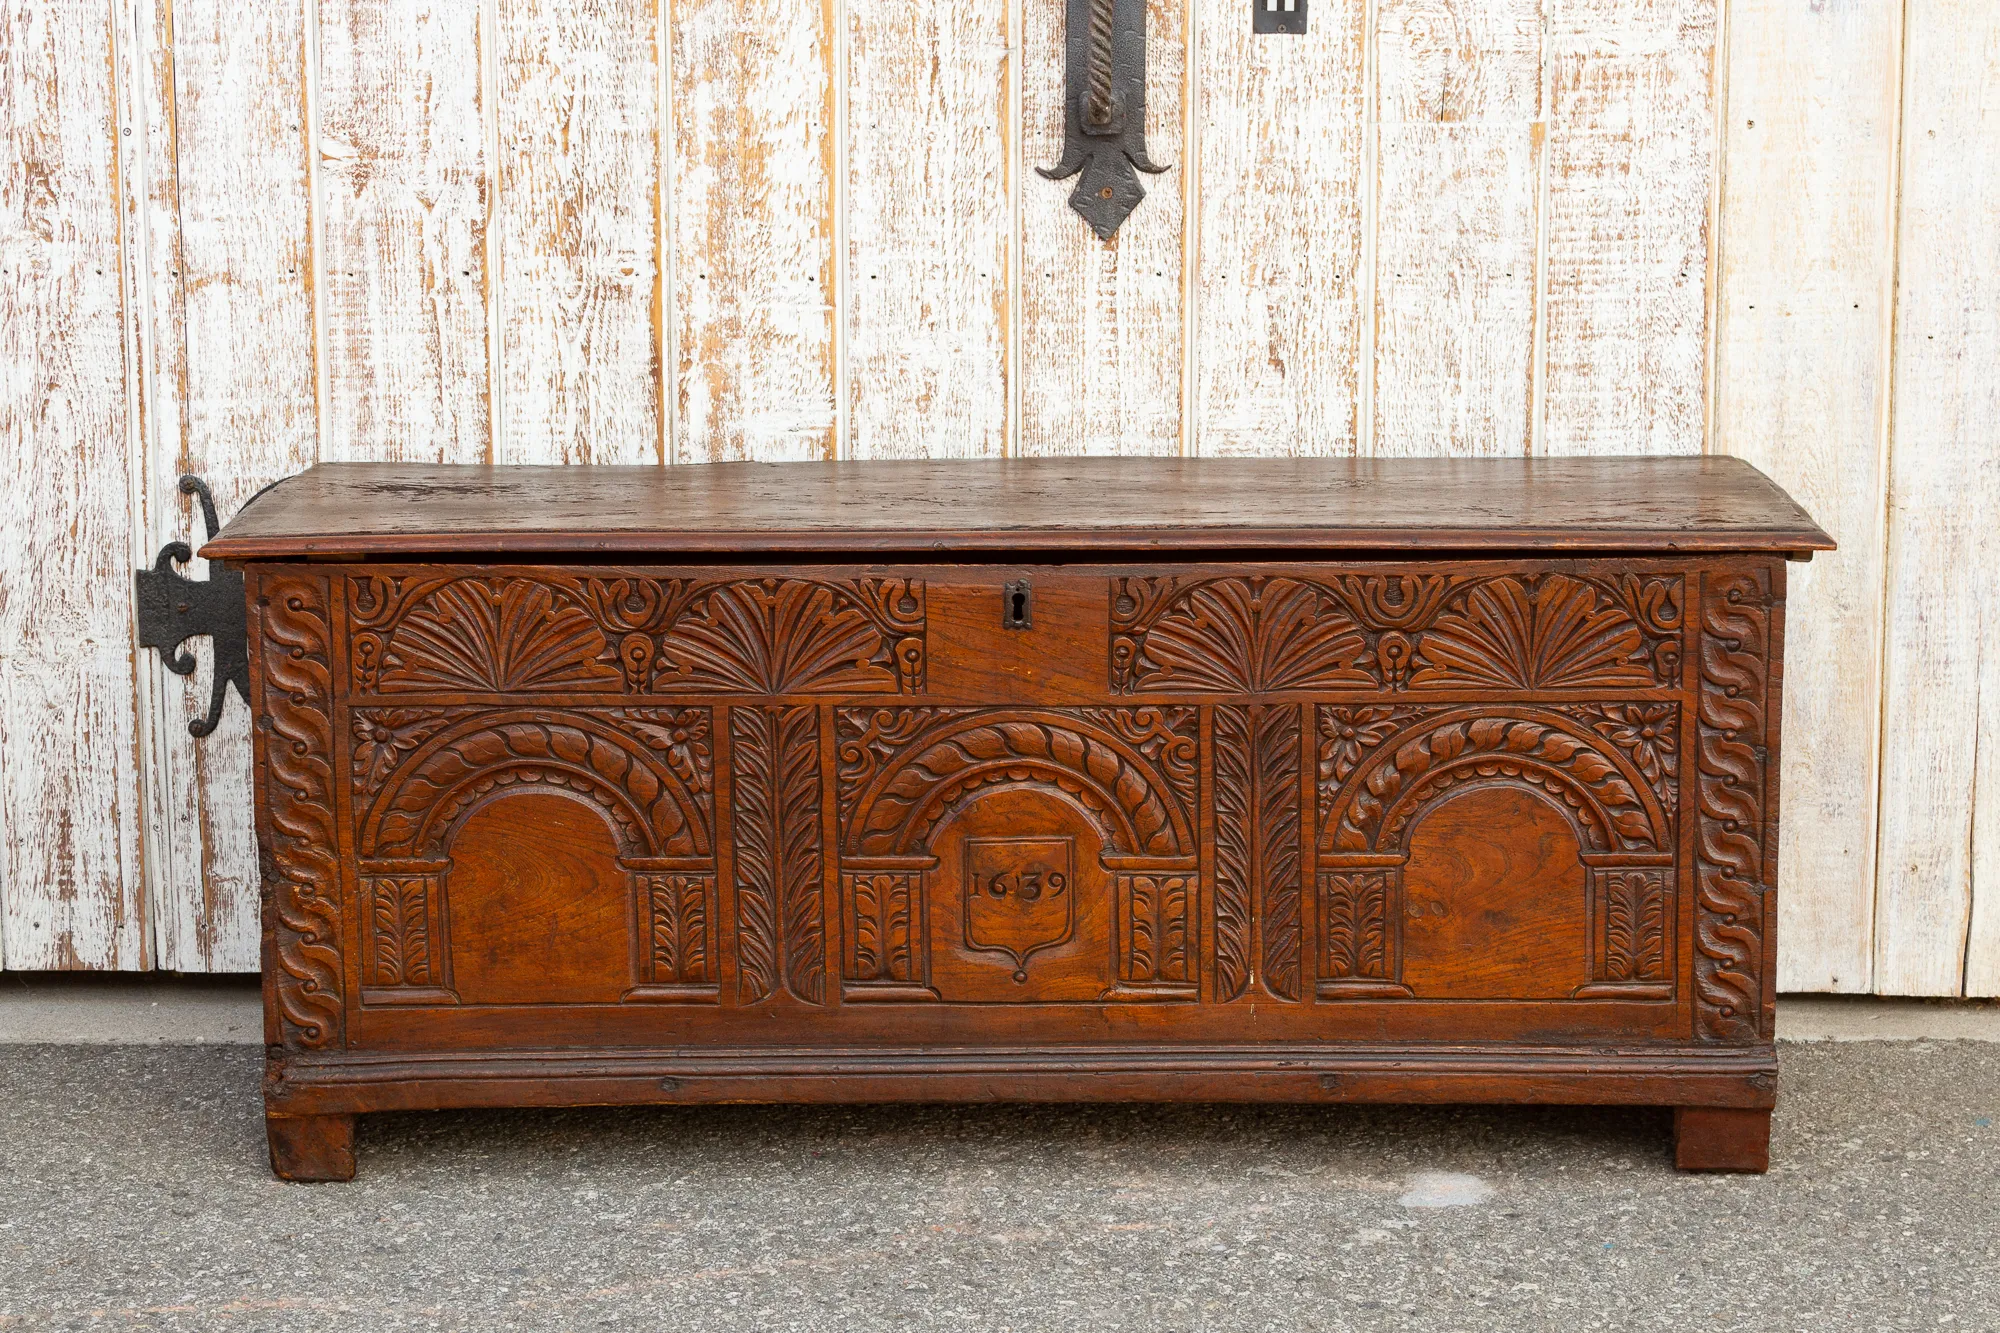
[[173, 608]]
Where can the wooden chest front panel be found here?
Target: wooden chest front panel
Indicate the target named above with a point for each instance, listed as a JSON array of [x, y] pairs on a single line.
[[782, 805]]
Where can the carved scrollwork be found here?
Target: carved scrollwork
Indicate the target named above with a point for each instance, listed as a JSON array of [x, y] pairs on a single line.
[[516, 634], [1730, 762], [1244, 635], [301, 875], [900, 771], [1402, 771]]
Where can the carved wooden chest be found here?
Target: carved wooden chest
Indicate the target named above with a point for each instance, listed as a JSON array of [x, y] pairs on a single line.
[[1231, 780]]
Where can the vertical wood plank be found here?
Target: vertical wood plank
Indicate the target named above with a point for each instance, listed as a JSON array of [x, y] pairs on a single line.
[[232, 286], [403, 207], [1806, 264], [1457, 184], [1630, 157], [929, 229], [752, 93], [70, 881], [1938, 907], [575, 222], [1102, 322], [1279, 317]]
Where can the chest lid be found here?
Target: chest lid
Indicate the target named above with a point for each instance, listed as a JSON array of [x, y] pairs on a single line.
[[1096, 505]]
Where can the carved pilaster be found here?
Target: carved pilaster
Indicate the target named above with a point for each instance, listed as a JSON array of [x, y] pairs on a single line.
[[301, 874], [1730, 766]]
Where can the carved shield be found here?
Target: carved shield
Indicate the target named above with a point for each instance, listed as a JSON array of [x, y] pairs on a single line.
[[1020, 896]]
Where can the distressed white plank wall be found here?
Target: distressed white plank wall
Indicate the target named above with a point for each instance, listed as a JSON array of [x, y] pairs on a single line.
[[233, 241]]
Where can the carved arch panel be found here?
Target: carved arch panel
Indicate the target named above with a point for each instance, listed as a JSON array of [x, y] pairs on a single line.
[[1383, 770], [914, 780], [419, 775]]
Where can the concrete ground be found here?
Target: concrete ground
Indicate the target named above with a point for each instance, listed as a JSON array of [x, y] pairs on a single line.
[[134, 1194]]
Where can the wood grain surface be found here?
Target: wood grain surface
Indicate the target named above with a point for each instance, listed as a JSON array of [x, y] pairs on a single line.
[[750, 96], [1937, 910], [1460, 133], [930, 194], [1630, 177], [577, 238], [1666, 504], [233, 275], [1102, 322], [1802, 345], [71, 888], [1277, 280], [406, 199]]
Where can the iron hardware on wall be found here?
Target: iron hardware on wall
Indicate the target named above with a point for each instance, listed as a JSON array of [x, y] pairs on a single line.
[[1104, 111], [1278, 16], [174, 608]]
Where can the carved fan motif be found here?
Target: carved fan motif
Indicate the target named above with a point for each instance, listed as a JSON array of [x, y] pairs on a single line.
[[1250, 635], [1553, 635], [501, 636], [782, 636]]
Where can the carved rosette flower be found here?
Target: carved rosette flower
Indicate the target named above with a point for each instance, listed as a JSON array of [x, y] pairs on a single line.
[[1346, 735], [384, 736], [1645, 732]]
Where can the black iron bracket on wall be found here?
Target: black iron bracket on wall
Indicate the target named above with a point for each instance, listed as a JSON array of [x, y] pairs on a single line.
[[174, 608], [1104, 111]]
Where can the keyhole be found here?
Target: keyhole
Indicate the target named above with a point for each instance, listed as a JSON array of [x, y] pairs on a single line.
[[1016, 605]]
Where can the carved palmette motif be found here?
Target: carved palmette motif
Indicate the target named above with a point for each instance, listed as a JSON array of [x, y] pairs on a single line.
[[513, 634], [1730, 765], [301, 875], [1245, 635]]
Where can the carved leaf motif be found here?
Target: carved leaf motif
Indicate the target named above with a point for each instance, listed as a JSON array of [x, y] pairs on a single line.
[[1442, 751], [1234, 822], [497, 635], [1248, 636], [680, 928], [1356, 927], [680, 735], [1139, 805], [653, 811], [383, 737], [301, 876], [781, 936], [1257, 755], [1635, 926], [1156, 932], [1559, 633], [1276, 767]]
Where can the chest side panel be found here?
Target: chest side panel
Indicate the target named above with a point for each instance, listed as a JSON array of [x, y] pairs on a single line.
[[1454, 801]]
